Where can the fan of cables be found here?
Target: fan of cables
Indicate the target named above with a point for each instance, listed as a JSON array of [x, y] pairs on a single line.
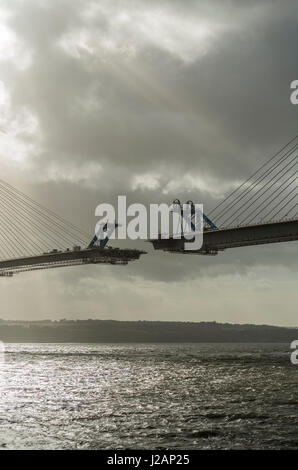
[[27, 228], [269, 194]]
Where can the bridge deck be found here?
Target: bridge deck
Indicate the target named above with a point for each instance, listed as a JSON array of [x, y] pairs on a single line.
[[232, 237], [69, 258]]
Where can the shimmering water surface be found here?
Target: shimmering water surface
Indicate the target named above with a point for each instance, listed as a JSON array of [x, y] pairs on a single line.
[[153, 396]]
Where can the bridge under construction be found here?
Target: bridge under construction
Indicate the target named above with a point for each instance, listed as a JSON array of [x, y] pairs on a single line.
[[234, 237], [32, 237], [262, 210], [69, 258]]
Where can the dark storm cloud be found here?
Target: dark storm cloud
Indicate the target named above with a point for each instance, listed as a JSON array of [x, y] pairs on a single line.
[[155, 100], [154, 107], [219, 112]]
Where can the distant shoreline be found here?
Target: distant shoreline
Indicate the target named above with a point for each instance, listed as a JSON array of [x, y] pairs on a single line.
[[113, 331]]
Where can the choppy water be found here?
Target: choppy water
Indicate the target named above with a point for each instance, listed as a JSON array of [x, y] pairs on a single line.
[[190, 396]]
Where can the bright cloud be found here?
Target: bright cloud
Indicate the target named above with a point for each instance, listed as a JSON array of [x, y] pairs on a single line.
[[127, 31], [19, 130], [205, 184], [11, 47], [145, 182]]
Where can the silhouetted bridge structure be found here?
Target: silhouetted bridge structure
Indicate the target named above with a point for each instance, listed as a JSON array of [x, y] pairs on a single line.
[[68, 258], [234, 237], [34, 238], [262, 210]]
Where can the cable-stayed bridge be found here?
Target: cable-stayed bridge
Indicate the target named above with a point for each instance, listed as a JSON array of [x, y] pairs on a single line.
[[263, 209], [33, 237]]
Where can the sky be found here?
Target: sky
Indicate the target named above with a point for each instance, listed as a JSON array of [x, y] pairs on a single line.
[[155, 100]]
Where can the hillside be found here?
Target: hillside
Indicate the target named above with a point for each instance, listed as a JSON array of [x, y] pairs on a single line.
[[95, 331]]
